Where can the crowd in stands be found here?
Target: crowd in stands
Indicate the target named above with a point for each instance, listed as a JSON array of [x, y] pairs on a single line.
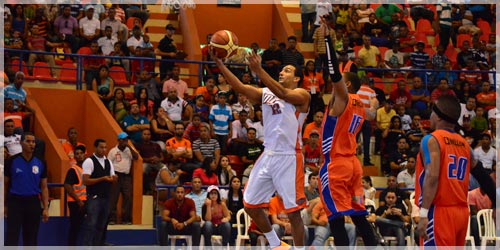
[[214, 136]]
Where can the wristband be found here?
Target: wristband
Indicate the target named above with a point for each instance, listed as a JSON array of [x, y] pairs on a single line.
[[185, 224], [424, 212]]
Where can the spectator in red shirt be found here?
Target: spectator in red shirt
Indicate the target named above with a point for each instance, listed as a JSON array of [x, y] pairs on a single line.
[[471, 78], [91, 65], [138, 65], [442, 89], [38, 43], [207, 172], [401, 96]]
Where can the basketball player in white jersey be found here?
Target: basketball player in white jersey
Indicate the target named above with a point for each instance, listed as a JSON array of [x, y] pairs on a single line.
[[280, 167]]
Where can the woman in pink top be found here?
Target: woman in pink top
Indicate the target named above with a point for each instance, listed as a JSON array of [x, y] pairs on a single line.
[[216, 217]]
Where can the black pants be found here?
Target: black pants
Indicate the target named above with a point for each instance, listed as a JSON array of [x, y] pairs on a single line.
[[76, 217], [123, 186], [366, 131], [22, 213]]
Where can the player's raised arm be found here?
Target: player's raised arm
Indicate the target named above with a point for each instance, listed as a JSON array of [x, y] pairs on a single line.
[[371, 113], [253, 94], [293, 95], [339, 91]]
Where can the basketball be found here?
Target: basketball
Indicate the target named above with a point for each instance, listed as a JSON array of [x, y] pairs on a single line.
[[224, 43]]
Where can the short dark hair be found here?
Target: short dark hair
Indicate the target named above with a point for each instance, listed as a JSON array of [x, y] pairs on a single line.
[[250, 128], [27, 133], [243, 112], [311, 175], [292, 38], [81, 148], [98, 141], [8, 120]]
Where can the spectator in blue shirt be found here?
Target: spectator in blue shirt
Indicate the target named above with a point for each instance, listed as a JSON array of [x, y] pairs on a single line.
[[134, 123], [220, 120], [15, 91]]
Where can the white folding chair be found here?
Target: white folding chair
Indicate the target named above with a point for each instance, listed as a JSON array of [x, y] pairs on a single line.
[[243, 230], [486, 215], [469, 237], [187, 238]]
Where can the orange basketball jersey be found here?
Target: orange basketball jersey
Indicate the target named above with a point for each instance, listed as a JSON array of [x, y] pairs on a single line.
[[454, 169]]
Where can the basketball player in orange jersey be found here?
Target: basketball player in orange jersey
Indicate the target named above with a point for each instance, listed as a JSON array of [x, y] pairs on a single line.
[[340, 176], [281, 166], [444, 163]]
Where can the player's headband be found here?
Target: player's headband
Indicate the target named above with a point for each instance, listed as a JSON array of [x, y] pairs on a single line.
[[443, 116]]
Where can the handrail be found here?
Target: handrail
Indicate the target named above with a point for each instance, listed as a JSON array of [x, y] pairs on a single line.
[[200, 64]]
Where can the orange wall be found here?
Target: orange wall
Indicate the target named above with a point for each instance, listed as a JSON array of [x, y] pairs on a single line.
[[58, 110], [251, 23]]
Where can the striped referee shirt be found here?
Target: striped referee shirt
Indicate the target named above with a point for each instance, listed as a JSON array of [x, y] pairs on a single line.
[[444, 13]]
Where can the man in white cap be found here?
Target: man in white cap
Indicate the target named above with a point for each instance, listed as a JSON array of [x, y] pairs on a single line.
[[121, 156]]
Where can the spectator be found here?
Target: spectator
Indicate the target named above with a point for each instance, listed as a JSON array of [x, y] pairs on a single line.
[[200, 109], [118, 106], [180, 218], [121, 157], [24, 189], [385, 11], [140, 64], [406, 178], [234, 199], [406, 40], [439, 59], [394, 59], [471, 135], [251, 150], [77, 198], [224, 86], [415, 134], [396, 23], [117, 53], [420, 98], [176, 107], [192, 132], [91, 65], [447, 73], [392, 186], [224, 173], [392, 218], [104, 85], [405, 118], [369, 54], [19, 21], [134, 41], [291, 56], [479, 122], [398, 159], [146, 106], [316, 125], [90, 27], [152, 158], [107, 41], [442, 89], [323, 7], [168, 175], [486, 154], [383, 120], [99, 177], [220, 120], [69, 146], [471, 78], [313, 157], [242, 104], [134, 123], [374, 28], [308, 16], [205, 146], [368, 189], [180, 149], [467, 109], [198, 195], [216, 217], [17, 116], [168, 51], [279, 217], [322, 229], [175, 82], [487, 97], [37, 43], [392, 133], [43, 23], [207, 172], [443, 18], [11, 140], [239, 129], [314, 84], [208, 91], [162, 128], [67, 29], [419, 58], [116, 25], [364, 12], [147, 81], [401, 96], [464, 54]]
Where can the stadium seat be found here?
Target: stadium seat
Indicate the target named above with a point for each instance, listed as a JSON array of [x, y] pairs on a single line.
[[84, 51], [68, 73], [117, 73], [486, 231], [430, 51], [451, 53], [236, 164], [130, 22], [41, 71], [15, 66], [379, 83], [484, 26], [424, 26], [421, 37], [242, 229], [382, 52]]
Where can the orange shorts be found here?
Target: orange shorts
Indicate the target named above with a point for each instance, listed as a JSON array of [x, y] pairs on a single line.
[[340, 187], [447, 226]]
